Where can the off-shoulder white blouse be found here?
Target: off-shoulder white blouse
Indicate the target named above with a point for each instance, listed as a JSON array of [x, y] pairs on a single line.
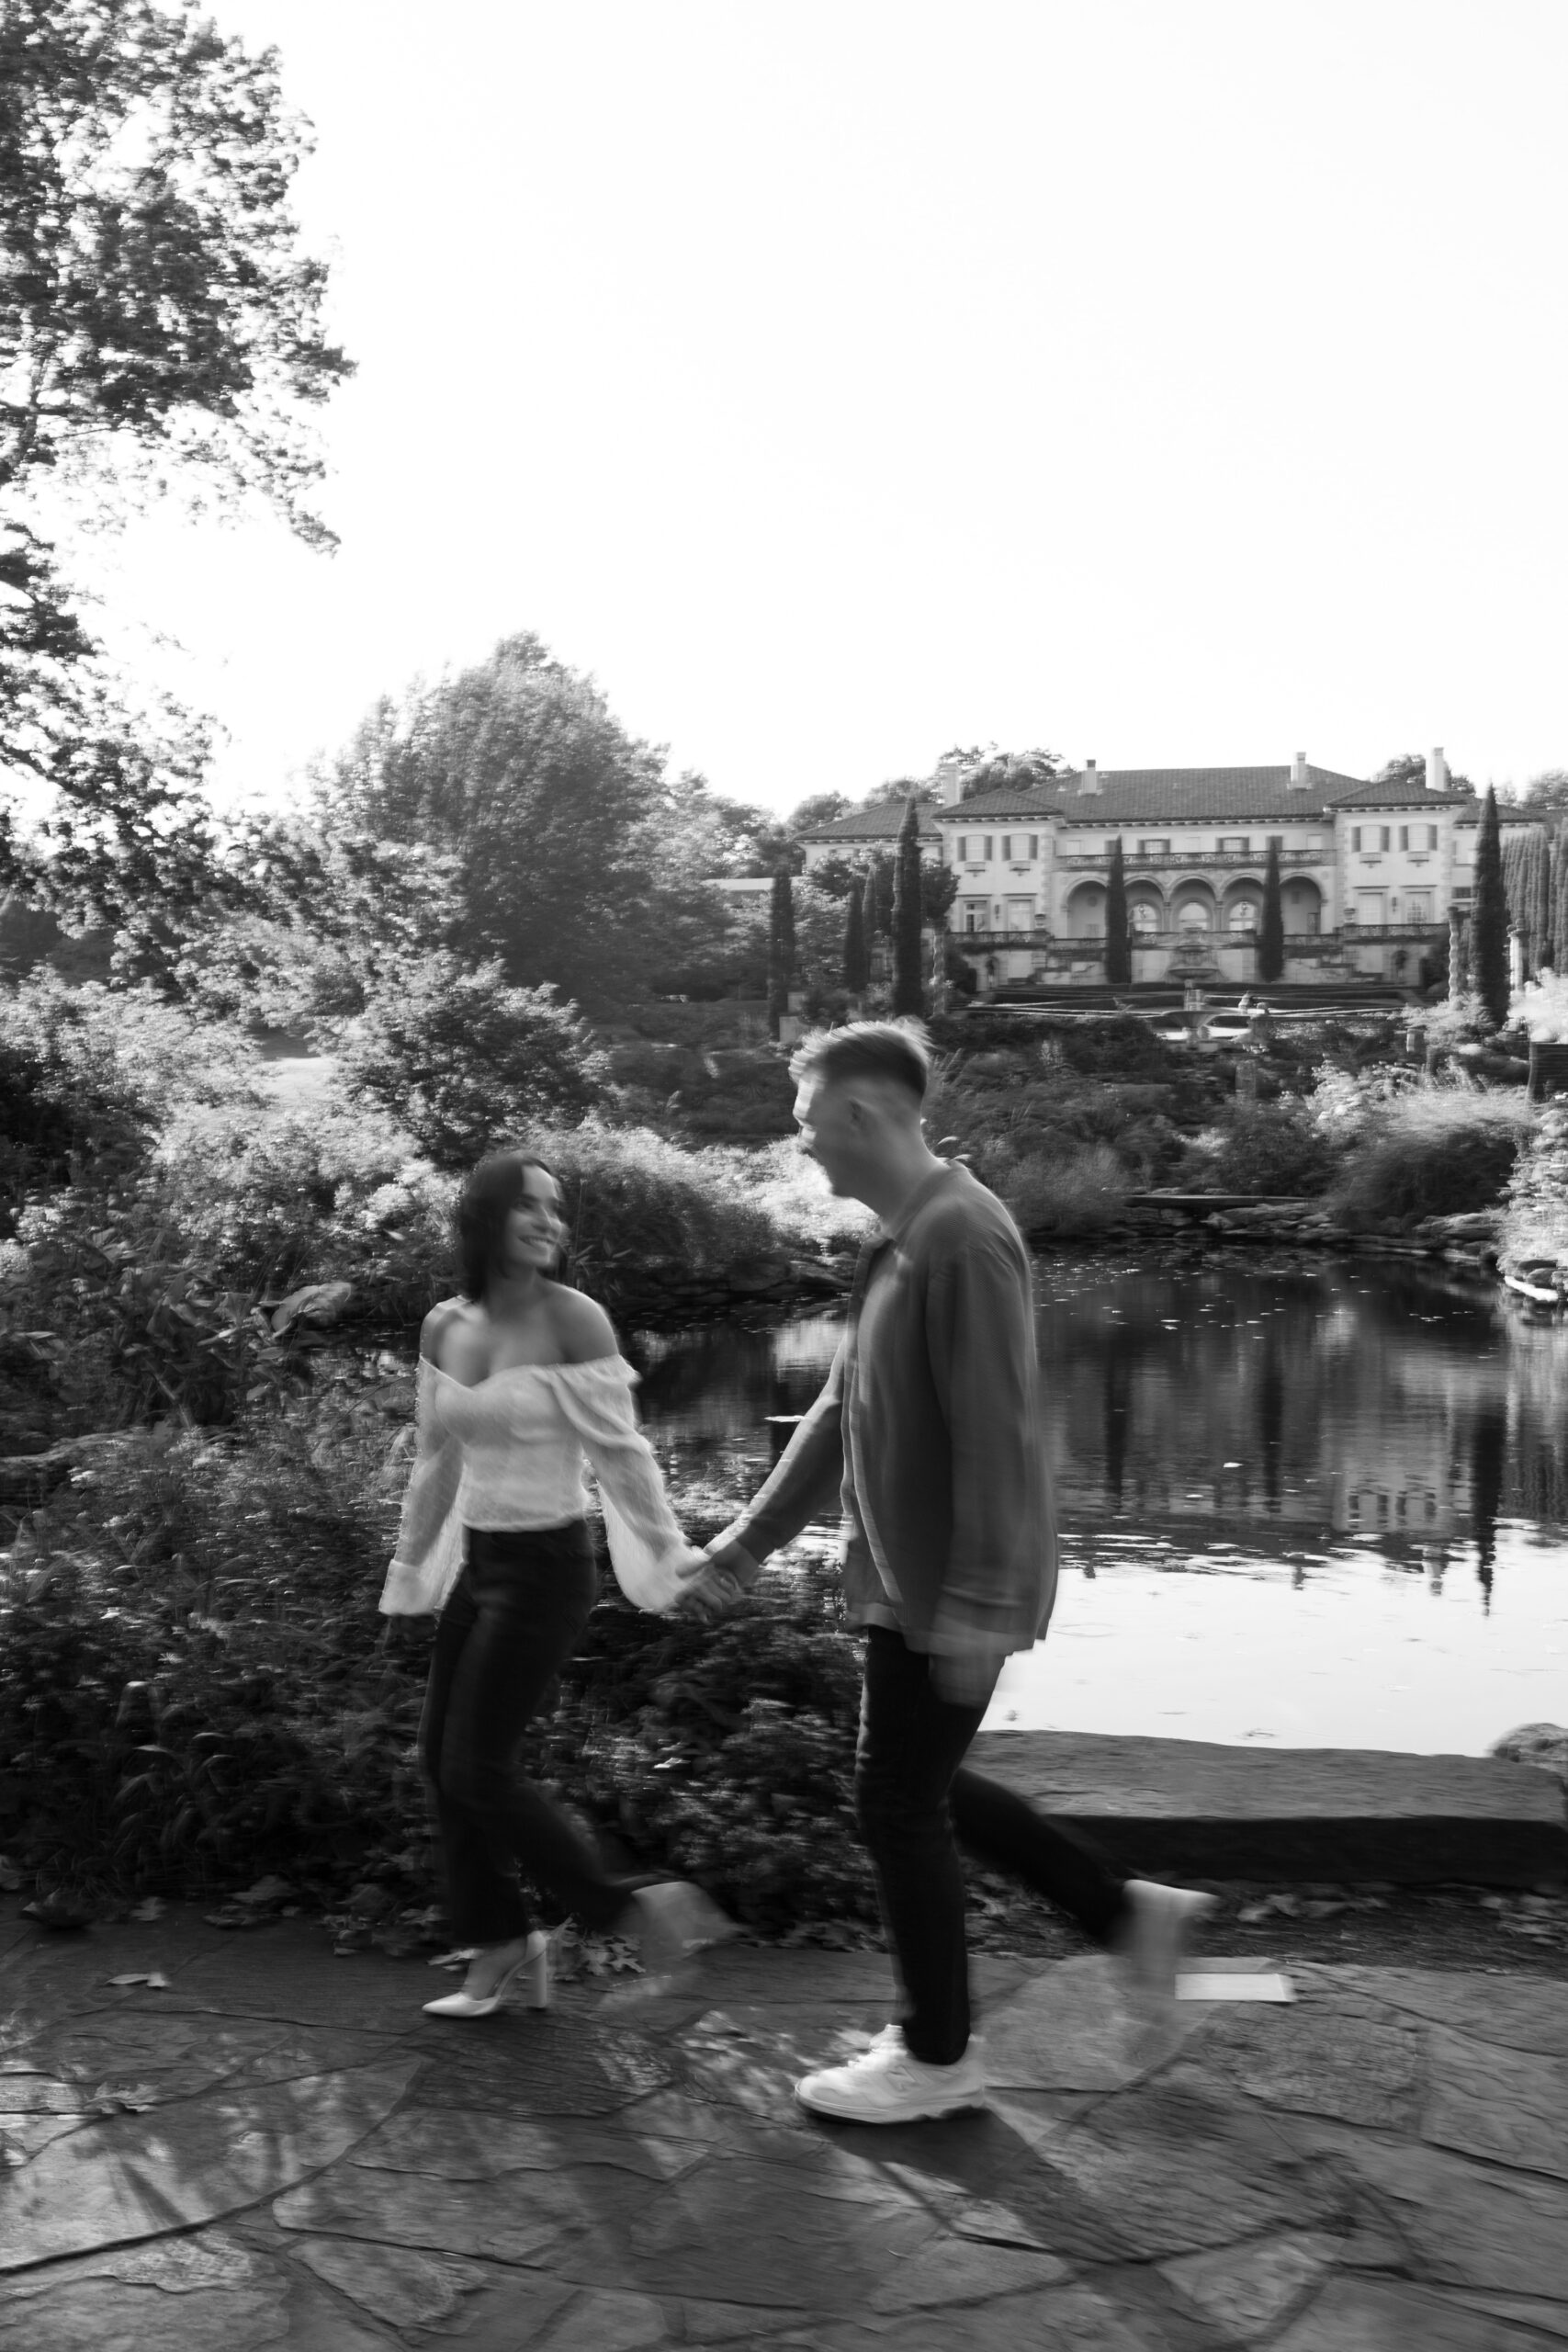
[[510, 1452]]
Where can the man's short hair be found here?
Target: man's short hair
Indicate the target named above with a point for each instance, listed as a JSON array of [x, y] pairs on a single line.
[[898, 1050]]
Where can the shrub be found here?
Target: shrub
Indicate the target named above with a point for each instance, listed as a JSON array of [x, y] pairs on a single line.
[[197, 1691], [1432, 1151], [1275, 1149], [90, 1073], [1535, 1224], [464, 1062], [1071, 1195]]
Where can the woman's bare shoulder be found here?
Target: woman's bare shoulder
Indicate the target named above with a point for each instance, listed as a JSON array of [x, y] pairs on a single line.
[[582, 1328], [439, 1325]]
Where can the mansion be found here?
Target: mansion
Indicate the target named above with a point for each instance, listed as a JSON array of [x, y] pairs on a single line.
[[1369, 872]]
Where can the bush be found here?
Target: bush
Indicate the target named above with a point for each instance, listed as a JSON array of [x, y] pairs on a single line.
[[1433, 1151], [1071, 1195], [197, 1692], [466, 1063], [88, 1075], [1276, 1149]]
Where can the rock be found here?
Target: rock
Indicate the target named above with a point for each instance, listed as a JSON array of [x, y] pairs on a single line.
[[753, 1274], [315, 1302], [1543, 1745]]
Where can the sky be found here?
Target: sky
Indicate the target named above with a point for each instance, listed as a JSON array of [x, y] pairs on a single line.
[[1167, 382]]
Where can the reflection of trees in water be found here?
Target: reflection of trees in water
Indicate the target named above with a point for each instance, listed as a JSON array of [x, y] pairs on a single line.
[[1272, 1420], [1488, 1460]]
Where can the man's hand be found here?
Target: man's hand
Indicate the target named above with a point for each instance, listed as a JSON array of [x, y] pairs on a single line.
[[710, 1590], [727, 1554]]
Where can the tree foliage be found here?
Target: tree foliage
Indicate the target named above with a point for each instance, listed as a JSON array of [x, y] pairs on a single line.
[[1410, 767], [554, 816], [1118, 938], [1527, 885], [909, 982], [1272, 930], [158, 325], [1031, 771], [857, 959], [781, 948], [465, 1062], [1489, 916]]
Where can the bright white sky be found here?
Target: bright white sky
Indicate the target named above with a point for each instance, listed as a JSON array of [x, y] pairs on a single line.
[[1165, 381]]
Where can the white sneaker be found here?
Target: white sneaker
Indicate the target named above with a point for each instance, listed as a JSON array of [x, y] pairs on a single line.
[[1153, 1935], [888, 2084]]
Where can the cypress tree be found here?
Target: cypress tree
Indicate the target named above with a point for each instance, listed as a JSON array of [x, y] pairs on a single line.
[[909, 991], [879, 898], [1118, 943], [1560, 896], [1271, 933], [780, 949], [857, 960], [1489, 917]]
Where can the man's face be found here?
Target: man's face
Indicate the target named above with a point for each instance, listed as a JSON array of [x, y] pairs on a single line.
[[830, 1133]]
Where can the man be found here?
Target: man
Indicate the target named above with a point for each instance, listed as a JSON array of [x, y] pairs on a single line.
[[928, 1434]]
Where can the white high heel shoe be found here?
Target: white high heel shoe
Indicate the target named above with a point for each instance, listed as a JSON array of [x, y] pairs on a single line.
[[532, 1966]]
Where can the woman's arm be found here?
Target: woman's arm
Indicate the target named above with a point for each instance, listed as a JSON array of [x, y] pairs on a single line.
[[429, 1539]]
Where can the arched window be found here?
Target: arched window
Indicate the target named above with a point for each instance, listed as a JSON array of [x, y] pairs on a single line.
[[1192, 914], [1242, 916], [1145, 916]]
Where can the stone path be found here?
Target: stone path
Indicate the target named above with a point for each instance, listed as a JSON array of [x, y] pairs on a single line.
[[277, 2148]]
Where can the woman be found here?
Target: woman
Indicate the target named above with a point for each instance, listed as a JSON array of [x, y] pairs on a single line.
[[519, 1379]]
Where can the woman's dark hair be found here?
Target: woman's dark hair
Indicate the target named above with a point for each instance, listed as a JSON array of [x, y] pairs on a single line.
[[489, 1193]]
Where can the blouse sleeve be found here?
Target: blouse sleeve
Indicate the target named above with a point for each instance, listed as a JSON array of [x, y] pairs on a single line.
[[646, 1546], [430, 1534]]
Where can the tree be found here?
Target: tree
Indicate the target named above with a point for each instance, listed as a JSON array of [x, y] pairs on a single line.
[[1272, 931], [857, 960], [818, 808], [1560, 898], [780, 949], [464, 1062], [939, 888], [1033, 771], [908, 988], [903, 788], [158, 326], [1546, 794], [1410, 767], [1527, 886], [879, 898], [1118, 941], [518, 770], [1489, 917]]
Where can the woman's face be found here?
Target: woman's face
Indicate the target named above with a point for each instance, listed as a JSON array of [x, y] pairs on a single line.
[[533, 1230]]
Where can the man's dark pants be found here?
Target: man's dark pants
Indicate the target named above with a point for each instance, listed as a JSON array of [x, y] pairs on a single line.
[[911, 1795]]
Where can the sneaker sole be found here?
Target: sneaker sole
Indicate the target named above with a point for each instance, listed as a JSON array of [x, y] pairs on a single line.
[[929, 2112]]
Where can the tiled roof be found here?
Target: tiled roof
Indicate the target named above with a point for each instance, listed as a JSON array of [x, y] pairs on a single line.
[[1190, 795], [880, 823], [1004, 800], [1403, 792]]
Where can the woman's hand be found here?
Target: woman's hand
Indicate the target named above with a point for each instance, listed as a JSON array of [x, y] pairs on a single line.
[[710, 1592]]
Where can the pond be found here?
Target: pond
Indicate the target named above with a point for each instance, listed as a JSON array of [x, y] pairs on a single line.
[[1304, 1502]]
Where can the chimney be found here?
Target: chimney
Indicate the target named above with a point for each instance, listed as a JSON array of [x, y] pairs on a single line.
[[1088, 783], [1299, 779], [949, 780], [1436, 770]]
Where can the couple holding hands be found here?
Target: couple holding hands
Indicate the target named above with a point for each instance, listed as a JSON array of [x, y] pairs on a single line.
[[927, 1437]]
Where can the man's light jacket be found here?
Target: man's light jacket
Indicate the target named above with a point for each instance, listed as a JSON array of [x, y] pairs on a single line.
[[929, 1434]]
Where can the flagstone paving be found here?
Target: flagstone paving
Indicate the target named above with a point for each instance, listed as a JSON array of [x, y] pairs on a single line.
[[276, 2147]]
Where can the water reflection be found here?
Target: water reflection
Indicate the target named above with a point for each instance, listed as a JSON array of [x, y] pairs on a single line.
[[1330, 1430]]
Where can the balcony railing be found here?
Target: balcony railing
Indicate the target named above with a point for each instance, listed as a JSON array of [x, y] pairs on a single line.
[[1083, 943], [1087, 862]]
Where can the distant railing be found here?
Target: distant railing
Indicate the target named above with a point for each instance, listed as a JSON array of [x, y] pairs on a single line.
[[1080, 941], [1087, 861]]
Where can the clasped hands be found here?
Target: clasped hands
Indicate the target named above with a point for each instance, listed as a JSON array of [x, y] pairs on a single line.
[[712, 1581]]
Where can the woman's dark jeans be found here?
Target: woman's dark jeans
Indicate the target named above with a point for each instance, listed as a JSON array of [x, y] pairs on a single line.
[[516, 1615], [911, 1795]]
